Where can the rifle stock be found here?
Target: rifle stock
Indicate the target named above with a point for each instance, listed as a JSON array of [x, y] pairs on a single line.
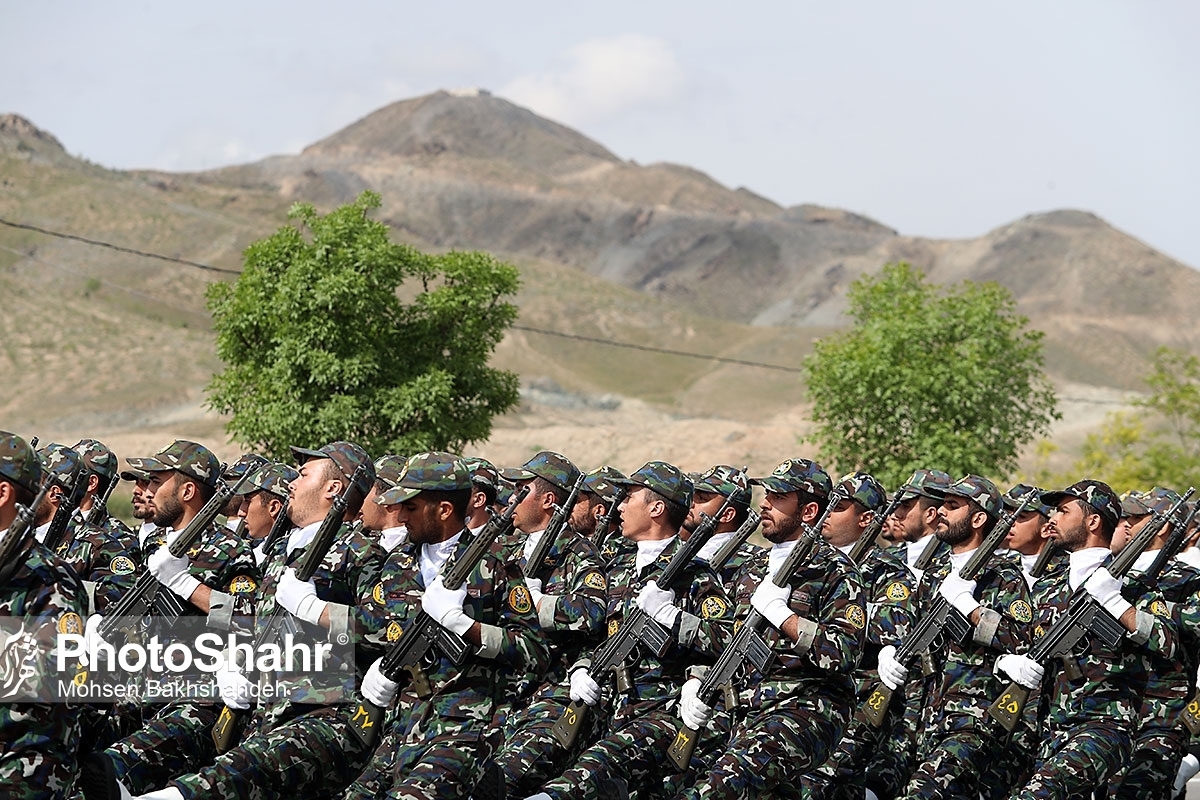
[[562, 513], [866, 542], [744, 532], [99, 508], [605, 524], [16, 541]]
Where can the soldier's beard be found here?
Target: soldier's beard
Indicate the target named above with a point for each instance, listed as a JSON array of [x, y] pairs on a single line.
[[169, 511], [783, 530], [955, 532]]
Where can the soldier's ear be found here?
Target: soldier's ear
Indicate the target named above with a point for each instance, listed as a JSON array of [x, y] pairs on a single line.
[[187, 490], [810, 511], [728, 516], [979, 519]]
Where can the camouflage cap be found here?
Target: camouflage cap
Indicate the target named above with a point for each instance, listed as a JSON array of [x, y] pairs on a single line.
[[388, 469], [1097, 495], [600, 482], [348, 457], [864, 489], [981, 490], [1132, 505], [726, 481], [19, 463], [271, 477], [133, 474], [797, 474], [232, 473], [439, 472], [553, 467], [188, 458], [931, 483], [1161, 500], [1028, 497], [483, 471], [61, 464], [665, 479], [97, 457]]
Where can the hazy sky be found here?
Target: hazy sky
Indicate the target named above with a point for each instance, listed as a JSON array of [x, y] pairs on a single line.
[[939, 119]]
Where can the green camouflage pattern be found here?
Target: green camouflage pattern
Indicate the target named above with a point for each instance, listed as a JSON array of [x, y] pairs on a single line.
[[176, 741], [1162, 500], [348, 457], [441, 472], [600, 482], [62, 465], [19, 463], [665, 479], [221, 561], [553, 467], [726, 481], [797, 474], [389, 468], [1098, 495], [188, 458], [980, 490], [930, 483], [97, 457], [1028, 498], [273, 478], [864, 490], [483, 472], [105, 563], [1132, 505], [249, 462]]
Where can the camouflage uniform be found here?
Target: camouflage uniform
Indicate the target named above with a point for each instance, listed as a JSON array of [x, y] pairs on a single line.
[[436, 742], [572, 617], [642, 722], [1088, 722], [101, 461], [956, 738], [732, 483], [37, 740]]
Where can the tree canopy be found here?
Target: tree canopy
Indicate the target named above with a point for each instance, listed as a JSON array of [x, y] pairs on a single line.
[[333, 332], [947, 378]]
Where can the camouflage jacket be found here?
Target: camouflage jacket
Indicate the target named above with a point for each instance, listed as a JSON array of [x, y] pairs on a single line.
[[891, 595], [573, 611], [962, 683], [513, 653], [1111, 681], [221, 562], [700, 632], [102, 560], [616, 547], [38, 740], [828, 596], [745, 558]]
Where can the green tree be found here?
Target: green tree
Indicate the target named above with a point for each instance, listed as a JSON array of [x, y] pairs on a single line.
[[928, 376], [334, 332]]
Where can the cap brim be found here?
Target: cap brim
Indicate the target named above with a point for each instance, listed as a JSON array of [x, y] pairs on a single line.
[[774, 484], [149, 465], [303, 454], [1052, 499], [398, 494], [133, 475]]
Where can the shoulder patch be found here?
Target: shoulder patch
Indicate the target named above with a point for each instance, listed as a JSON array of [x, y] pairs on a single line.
[[70, 622], [520, 600], [714, 607], [242, 584], [1159, 609], [897, 591], [393, 631], [121, 565], [855, 616], [377, 593], [1021, 611], [595, 580], [613, 627]]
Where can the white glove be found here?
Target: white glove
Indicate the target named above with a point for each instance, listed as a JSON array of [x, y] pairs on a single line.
[[535, 590], [959, 593], [91, 636], [445, 606], [694, 713], [891, 672], [659, 604], [1187, 770], [1020, 669], [236, 689], [583, 688], [772, 602], [377, 688], [1107, 591], [172, 572], [299, 597]]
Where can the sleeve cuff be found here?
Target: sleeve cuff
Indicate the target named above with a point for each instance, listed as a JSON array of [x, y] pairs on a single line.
[[339, 622], [547, 609], [89, 587], [492, 639], [689, 628], [1145, 626], [807, 630], [985, 631], [220, 610], [310, 609]]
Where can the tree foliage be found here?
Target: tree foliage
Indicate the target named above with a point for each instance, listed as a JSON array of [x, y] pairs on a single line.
[[319, 345], [928, 376]]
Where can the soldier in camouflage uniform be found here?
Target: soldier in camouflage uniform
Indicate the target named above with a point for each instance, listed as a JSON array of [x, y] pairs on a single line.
[[711, 490], [956, 738], [485, 485], [1088, 718], [215, 577], [642, 721], [101, 464], [142, 501], [437, 737], [917, 516], [383, 522], [232, 474], [1160, 740], [788, 721], [38, 594], [1025, 541], [598, 495], [264, 495], [570, 594]]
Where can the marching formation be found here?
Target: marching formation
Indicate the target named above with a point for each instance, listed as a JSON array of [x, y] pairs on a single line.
[[541, 632]]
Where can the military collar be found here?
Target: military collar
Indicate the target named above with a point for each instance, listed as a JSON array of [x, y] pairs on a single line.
[[300, 537]]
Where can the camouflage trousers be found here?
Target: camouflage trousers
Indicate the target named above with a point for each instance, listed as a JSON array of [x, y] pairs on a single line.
[[951, 765], [866, 757], [1073, 763], [1150, 772], [426, 756], [178, 740], [37, 756], [311, 756], [530, 755], [770, 752]]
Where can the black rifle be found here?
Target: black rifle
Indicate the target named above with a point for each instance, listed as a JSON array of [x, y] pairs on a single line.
[[17, 541], [144, 596], [926, 558], [423, 631], [638, 628], [722, 556], [941, 619], [562, 514], [866, 542], [95, 517], [281, 623], [748, 644], [1083, 616], [1049, 550], [1170, 548], [73, 488], [605, 524], [279, 527]]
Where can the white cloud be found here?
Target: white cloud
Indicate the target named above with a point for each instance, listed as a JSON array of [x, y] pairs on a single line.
[[600, 78], [202, 149]]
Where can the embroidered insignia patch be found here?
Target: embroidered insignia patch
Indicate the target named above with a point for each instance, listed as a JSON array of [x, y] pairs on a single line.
[[613, 627], [121, 565], [595, 580], [713, 608], [1021, 611], [1159, 609], [897, 592], [70, 622], [393, 631], [377, 593], [242, 584], [855, 616], [520, 600]]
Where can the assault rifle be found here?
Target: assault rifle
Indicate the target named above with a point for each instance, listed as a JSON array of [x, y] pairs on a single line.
[[144, 596], [423, 631], [95, 517], [17, 540], [747, 644], [280, 624], [605, 523], [73, 488], [562, 513], [279, 527], [941, 619], [1083, 616], [1049, 550], [866, 542], [722, 556], [638, 627]]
